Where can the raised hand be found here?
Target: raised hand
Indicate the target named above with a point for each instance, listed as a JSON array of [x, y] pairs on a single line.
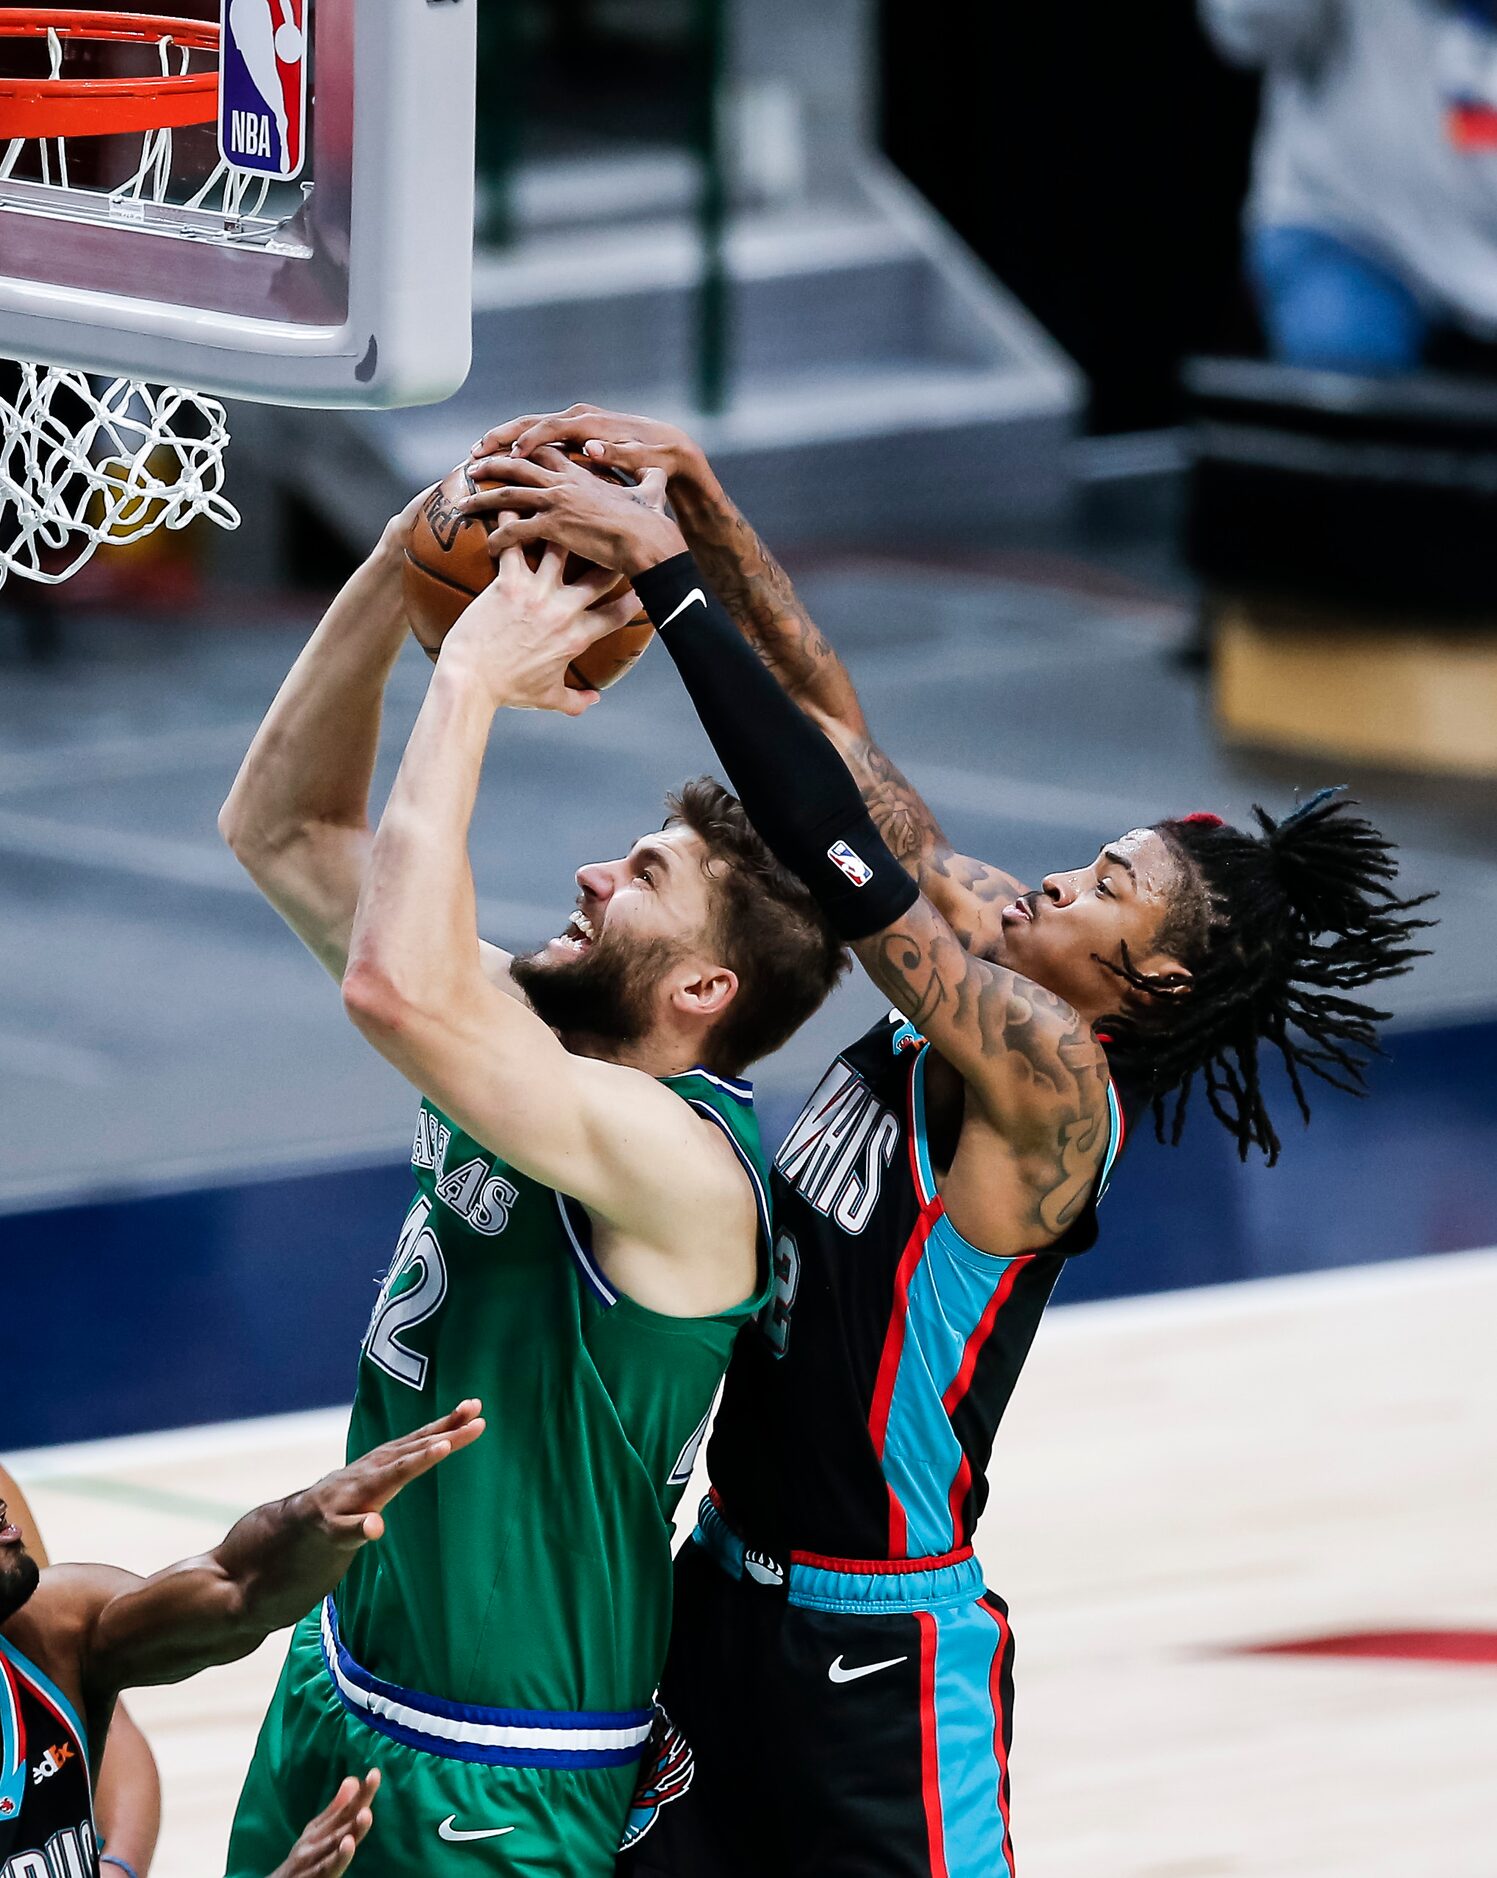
[[345, 1508], [518, 637], [635, 444], [314, 1534], [326, 1848], [547, 497], [271, 1569]]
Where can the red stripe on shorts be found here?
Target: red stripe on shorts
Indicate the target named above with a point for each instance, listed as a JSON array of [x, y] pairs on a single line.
[[1000, 1753], [930, 1771]]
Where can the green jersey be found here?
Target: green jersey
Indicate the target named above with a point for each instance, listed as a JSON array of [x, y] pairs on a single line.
[[533, 1570]]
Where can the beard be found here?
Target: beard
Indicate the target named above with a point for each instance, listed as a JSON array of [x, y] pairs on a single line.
[[18, 1580], [606, 993]]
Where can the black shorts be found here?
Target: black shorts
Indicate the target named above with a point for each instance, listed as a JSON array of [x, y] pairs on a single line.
[[845, 1722]]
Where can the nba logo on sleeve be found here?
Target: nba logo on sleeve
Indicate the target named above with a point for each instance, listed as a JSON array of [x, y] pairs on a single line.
[[851, 863], [262, 88]]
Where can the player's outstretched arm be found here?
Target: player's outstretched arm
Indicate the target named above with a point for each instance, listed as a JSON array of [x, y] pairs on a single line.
[[297, 817], [763, 603], [271, 1569], [327, 1846], [606, 1134]]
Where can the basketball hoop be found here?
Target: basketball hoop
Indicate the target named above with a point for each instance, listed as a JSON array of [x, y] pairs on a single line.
[[96, 107], [87, 462]]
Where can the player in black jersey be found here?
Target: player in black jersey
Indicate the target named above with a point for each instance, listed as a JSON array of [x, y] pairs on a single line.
[[836, 1662], [73, 1636], [127, 1790]]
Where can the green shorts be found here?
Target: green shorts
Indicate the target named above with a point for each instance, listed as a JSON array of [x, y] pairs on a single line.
[[435, 1812]]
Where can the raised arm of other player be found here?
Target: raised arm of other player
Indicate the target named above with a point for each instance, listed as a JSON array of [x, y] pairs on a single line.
[[270, 1570], [766, 609], [297, 817], [664, 1184]]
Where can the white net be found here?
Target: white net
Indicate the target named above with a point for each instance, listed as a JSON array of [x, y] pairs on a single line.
[[86, 460], [85, 464]]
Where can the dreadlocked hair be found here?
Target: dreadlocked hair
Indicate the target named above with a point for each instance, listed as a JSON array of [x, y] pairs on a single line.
[[1275, 928]]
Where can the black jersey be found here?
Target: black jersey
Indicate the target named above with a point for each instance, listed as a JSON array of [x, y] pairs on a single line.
[[46, 1796], [860, 1409]]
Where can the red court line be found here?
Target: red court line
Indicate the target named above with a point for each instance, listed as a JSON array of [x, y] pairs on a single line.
[[1404, 1646]]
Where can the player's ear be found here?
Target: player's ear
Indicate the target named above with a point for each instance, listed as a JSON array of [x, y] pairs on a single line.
[[1169, 977], [705, 990]]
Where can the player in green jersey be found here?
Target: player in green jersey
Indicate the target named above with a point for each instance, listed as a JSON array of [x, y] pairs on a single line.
[[587, 1234]]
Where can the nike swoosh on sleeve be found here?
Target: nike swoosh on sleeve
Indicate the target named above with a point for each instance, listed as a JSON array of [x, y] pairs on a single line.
[[695, 598]]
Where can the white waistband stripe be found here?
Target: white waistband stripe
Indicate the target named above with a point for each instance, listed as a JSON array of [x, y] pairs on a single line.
[[561, 1739]]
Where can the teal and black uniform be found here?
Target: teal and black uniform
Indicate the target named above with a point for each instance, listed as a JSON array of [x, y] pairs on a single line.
[[46, 1792]]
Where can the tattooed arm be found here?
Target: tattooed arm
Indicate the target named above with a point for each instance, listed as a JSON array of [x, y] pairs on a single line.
[[1035, 1125], [765, 607]]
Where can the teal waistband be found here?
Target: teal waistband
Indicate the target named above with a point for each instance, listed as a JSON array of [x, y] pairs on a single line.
[[819, 1584]]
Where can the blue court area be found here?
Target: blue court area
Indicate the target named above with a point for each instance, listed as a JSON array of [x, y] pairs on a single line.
[[201, 1155]]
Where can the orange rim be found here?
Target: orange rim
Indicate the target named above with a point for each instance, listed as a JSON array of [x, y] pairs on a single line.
[[100, 107]]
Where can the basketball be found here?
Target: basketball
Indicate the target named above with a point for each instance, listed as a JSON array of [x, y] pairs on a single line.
[[447, 563]]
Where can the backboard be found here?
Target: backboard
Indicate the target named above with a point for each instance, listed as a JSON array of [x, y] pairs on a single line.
[[294, 227]]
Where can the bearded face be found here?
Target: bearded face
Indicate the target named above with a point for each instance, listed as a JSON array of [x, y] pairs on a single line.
[[603, 990]]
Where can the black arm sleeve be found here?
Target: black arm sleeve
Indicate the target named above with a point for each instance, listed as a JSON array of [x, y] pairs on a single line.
[[795, 788]]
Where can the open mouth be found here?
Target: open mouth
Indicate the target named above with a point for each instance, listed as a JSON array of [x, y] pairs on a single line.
[[580, 934], [10, 1535], [1018, 913]]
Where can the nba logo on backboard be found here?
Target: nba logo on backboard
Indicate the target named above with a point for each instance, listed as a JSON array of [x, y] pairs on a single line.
[[262, 90]]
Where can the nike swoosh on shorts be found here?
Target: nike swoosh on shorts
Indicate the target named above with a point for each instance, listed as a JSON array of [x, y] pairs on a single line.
[[838, 1673], [450, 1831]]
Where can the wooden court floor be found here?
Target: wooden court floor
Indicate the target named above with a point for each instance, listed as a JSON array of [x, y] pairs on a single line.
[[1178, 1478]]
